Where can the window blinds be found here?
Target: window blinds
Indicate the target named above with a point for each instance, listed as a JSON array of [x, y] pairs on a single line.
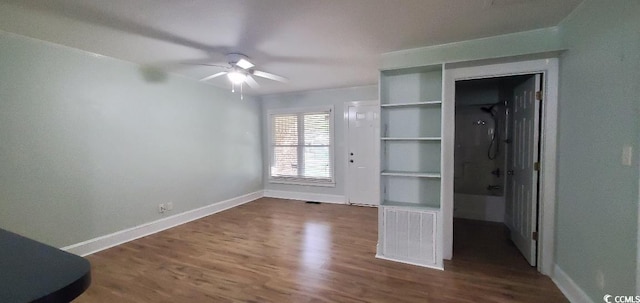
[[301, 147]]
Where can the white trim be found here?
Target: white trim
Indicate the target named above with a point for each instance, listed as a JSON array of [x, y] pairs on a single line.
[[549, 67], [292, 195], [345, 116], [107, 241], [570, 289], [298, 111], [447, 164], [409, 262]]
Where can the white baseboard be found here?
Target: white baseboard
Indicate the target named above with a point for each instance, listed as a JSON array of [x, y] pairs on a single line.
[[291, 195], [570, 289], [107, 241], [379, 256]]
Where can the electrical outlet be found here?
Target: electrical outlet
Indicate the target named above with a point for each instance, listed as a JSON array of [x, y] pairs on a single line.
[[170, 206], [162, 208]]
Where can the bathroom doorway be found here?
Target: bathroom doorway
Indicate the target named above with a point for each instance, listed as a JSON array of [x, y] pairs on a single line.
[[496, 158]]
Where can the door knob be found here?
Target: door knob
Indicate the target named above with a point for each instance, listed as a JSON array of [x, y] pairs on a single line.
[[510, 172]]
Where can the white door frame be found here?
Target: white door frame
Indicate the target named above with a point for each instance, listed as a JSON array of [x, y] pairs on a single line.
[[547, 190], [638, 243], [346, 144]]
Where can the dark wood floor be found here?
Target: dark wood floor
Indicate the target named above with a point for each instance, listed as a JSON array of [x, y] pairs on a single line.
[[275, 250]]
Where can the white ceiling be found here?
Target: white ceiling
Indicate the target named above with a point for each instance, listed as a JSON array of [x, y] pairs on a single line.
[[315, 43]]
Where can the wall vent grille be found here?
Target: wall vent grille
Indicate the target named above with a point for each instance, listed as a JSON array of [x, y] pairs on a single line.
[[410, 235]]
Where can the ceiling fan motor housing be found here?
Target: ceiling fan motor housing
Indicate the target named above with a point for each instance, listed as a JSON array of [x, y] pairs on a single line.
[[234, 58]]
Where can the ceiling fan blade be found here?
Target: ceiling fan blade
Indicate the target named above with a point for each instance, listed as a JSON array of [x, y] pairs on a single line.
[[269, 76], [252, 82], [207, 64], [213, 76]]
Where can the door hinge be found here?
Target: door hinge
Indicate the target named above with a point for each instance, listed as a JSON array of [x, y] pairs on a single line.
[[534, 236], [536, 166], [539, 95]]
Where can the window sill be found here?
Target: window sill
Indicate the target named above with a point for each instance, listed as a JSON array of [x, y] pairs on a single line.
[[303, 183]]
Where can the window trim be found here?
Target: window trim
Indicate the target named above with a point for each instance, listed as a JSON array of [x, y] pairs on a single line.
[[332, 162]]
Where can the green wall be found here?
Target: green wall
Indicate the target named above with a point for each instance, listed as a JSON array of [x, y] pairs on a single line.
[[91, 145], [598, 114]]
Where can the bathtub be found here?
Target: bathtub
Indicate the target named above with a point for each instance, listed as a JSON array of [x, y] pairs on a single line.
[[479, 207]]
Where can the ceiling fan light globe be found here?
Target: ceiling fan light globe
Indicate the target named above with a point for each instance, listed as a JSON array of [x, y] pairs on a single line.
[[236, 77]]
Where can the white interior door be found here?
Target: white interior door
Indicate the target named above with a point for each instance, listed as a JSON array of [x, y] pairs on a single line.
[[522, 188], [363, 160]]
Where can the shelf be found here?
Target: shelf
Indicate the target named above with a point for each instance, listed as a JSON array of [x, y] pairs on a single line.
[[411, 139], [410, 104], [410, 174], [410, 205]]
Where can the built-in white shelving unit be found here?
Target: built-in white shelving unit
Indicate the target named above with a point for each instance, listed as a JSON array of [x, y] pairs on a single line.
[[411, 119]]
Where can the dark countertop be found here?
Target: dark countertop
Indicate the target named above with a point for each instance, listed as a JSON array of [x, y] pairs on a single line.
[[34, 272]]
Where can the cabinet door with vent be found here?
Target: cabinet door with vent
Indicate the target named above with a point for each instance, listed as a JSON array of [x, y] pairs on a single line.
[[410, 235]]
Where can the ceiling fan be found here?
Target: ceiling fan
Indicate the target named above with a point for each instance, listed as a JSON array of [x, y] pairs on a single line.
[[239, 70]]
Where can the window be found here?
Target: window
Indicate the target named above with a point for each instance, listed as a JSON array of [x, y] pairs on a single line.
[[301, 144]]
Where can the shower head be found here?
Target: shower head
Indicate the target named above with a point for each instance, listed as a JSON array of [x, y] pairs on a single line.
[[487, 109]]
